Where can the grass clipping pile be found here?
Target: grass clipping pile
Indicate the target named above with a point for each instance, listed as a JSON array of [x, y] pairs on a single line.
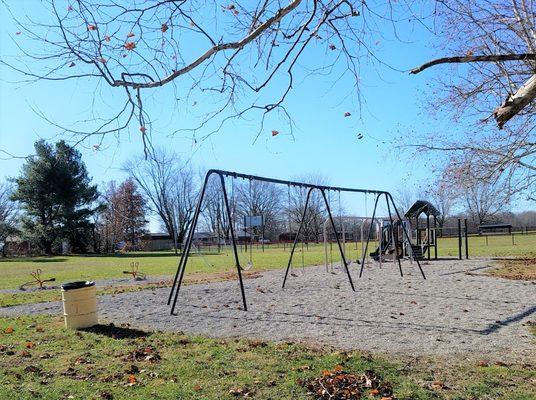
[[341, 385]]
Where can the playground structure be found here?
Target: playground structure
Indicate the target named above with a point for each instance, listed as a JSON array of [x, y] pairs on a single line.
[[309, 189], [425, 237]]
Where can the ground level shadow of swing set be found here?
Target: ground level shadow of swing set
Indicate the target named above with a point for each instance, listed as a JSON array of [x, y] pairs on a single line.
[[399, 236]]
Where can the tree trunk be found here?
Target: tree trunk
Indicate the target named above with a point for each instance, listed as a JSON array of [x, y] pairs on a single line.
[[516, 102]]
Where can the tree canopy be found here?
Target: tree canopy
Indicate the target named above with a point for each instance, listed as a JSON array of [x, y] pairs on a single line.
[[55, 191]]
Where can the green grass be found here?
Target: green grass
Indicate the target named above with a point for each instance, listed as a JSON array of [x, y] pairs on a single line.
[[497, 246], [15, 271], [95, 364]]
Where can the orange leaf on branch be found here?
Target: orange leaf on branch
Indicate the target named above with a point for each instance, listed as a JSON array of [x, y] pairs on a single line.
[[92, 27], [107, 38], [164, 28], [275, 133], [130, 46], [347, 114], [143, 129], [131, 34]]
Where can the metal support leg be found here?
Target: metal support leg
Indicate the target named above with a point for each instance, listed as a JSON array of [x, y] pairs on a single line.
[[235, 250], [406, 234], [393, 232], [297, 235], [186, 253], [343, 258]]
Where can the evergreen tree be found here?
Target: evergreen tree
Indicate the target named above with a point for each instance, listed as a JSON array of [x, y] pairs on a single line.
[[56, 194]]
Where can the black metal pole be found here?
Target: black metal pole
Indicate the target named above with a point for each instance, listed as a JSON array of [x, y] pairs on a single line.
[[417, 229], [406, 234], [435, 237], [466, 241], [393, 233], [459, 238], [235, 250], [428, 235], [185, 255], [189, 237], [297, 235], [368, 237], [343, 258]]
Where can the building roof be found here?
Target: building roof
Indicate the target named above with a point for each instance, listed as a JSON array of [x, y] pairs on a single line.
[[422, 206], [156, 235]]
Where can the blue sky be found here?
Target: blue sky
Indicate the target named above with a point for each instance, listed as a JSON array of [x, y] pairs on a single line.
[[324, 143]]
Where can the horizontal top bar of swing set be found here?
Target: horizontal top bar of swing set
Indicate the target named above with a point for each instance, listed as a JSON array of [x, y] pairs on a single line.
[[293, 183]]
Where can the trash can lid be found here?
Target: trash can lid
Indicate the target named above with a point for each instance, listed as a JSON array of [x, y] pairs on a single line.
[[76, 285]]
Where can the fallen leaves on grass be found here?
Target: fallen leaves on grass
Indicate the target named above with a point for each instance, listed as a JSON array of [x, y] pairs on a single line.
[[131, 380], [32, 369], [8, 330], [25, 354], [341, 385], [438, 385], [240, 392], [143, 354]]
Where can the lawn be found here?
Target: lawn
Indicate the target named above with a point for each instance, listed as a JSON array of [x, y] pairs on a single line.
[[41, 359], [15, 271]]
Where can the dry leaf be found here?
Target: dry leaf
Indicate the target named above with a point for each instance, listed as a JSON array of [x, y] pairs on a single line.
[[197, 388], [9, 329], [130, 46], [437, 385]]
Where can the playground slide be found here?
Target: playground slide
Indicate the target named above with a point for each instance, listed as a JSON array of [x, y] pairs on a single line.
[[385, 244]]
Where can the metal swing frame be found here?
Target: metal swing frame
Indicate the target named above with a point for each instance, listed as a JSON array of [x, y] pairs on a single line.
[[179, 275]]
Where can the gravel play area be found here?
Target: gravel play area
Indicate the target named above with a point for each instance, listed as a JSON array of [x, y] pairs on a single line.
[[456, 311]]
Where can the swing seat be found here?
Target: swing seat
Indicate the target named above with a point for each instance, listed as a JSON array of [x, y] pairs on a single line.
[[248, 266]]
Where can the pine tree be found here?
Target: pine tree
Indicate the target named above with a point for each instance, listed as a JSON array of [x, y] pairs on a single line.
[[57, 197]]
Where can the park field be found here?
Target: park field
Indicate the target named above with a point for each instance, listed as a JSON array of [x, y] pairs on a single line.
[[16, 271]]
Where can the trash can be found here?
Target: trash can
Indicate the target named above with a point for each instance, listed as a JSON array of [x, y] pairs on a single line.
[[79, 304]]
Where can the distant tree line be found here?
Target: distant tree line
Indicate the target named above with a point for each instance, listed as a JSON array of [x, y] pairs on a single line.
[[53, 206]]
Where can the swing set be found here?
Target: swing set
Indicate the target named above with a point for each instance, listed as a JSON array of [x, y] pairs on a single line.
[[309, 190]]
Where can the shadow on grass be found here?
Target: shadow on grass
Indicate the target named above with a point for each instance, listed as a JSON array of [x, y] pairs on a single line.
[[116, 332], [37, 259], [150, 255]]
